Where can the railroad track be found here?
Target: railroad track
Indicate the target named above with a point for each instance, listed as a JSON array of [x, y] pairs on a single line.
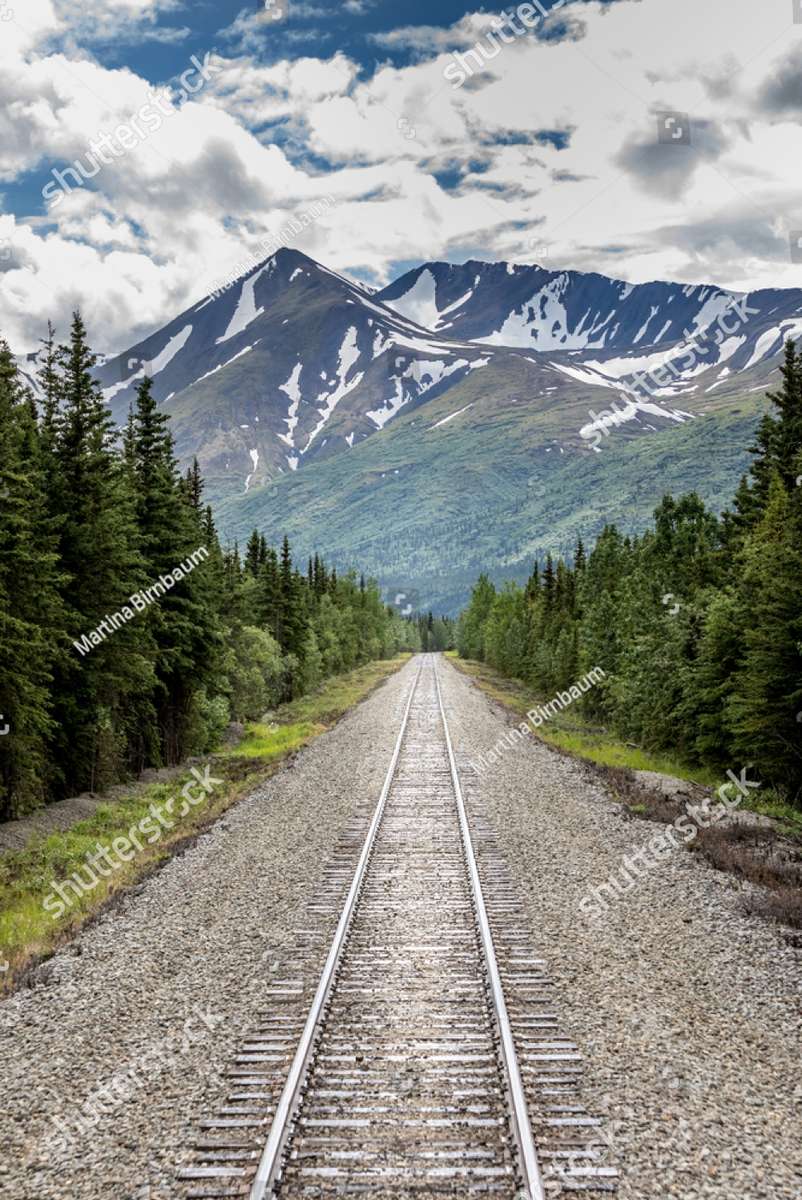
[[428, 1061]]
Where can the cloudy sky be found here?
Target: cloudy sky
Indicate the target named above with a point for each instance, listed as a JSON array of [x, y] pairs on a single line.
[[549, 151]]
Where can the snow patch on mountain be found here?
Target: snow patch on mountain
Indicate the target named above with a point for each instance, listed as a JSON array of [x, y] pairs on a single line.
[[347, 357], [584, 376], [654, 311], [165, 356], [453, 307], [227, 363], [255, 460], [246, 310], [451, 416], [542, 322], [771, 340], [176, 343], [293, 391], [426, 374], [419, 303], [630, 410]]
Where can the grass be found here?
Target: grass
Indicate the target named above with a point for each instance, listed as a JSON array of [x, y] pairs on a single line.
[[29, 933], [270, 742]]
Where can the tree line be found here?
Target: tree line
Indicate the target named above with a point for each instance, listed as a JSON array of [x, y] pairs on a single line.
[[697, 623], [91, 517]]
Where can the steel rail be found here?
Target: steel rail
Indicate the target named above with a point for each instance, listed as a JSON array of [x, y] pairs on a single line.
[[270, 1163], [530, 1167]]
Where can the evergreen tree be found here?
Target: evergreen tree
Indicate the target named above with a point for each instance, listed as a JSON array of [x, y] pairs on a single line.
[[181, 623], [96, 689], [107, 664], [252, 553], [31, 617], [767, 697]]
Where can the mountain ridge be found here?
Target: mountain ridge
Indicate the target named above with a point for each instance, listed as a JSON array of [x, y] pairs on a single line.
[[298, 371]]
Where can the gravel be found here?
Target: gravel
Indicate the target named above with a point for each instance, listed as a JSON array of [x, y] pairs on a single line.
[[63, 814], [189, 942], [688, 1011]]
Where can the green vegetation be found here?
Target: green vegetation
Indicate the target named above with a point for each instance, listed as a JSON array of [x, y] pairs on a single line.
[[696, 624], [296, 722], [130, 637], [578, 734], [28, 930], [500, 485], [267, 742]]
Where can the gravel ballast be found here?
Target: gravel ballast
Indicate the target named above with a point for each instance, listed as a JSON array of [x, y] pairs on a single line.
[[190, 941], [687, 1011]]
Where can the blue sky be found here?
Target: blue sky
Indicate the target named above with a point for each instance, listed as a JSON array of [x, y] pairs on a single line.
[[374, 136]]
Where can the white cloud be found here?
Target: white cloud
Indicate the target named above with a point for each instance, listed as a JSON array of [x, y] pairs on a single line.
[[433, 39], [117, 20], [168, 219]]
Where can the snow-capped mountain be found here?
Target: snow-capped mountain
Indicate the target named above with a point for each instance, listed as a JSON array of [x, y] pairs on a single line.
[[294, 363], [464, 417], [503, 304]]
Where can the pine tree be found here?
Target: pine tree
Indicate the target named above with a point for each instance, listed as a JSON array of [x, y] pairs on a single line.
[[252, 553], [549, 584], [193, 486], [777, 444], [767, 697], [31, 616], [292, 623], [96, 690], [182, 623]]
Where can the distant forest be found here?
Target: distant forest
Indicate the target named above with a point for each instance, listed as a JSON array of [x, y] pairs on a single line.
[[697, 623], [128, 636]]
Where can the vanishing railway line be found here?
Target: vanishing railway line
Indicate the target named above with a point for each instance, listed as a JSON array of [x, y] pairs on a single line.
[[428, 1061]]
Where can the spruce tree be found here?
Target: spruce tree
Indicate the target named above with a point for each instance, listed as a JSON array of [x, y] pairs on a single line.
[[181, 621], [97, 691], [252, 553], [764, 708], [31, 616]]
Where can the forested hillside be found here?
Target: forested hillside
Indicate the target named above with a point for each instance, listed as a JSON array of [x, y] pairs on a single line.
[[130, 636], [697, 623]]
